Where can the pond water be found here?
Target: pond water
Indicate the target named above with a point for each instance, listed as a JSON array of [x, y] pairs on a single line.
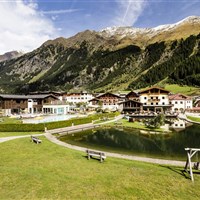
[[131, 141]]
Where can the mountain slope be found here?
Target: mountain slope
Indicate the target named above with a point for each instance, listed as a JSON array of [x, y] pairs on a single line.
[[10, 55], [112, 59]]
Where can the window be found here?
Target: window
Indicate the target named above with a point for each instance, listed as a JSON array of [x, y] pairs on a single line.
[[156, 103], [145, 97], [151, 103], [145, 103], [18, 101], [181, 124], [181, 102], [176, 102], [163, 103], [163, 97], [151, 97]]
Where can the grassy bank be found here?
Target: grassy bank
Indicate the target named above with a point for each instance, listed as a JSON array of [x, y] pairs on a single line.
[[195, 119], [137, 125], [7, 134], [187, 90], [48, 171]]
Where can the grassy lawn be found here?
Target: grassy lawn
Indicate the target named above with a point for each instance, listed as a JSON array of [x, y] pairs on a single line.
[[138, 125], [7, 134], [10, 120], [48, 171], [195, 119], [187, 90]]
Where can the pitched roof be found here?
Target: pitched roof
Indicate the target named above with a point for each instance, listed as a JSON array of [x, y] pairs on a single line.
[[153, 87], [108, 93], [179, 97], [132, 92], [14, 96]]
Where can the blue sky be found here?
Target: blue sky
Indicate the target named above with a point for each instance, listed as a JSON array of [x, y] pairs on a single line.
[[26, 24]]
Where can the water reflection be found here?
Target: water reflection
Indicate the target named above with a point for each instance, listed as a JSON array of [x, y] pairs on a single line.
[[131, 140]]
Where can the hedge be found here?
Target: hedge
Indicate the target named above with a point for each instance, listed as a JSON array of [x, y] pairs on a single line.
[[53, 125], [21, 127]]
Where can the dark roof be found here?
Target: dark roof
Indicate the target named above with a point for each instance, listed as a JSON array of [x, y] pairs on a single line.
[[132, 92], [108, 93], [14, 96], [95, 99], [154, 87]]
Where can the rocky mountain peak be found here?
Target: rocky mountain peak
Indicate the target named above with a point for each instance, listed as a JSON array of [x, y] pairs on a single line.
[[10, 55]]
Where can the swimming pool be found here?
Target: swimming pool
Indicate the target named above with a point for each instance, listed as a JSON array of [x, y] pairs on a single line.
[[50, 118]]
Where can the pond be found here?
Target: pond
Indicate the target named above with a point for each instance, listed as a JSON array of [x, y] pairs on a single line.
[[131, 141]]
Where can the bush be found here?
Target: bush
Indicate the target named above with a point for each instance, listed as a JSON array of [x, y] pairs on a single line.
[[21, 127]]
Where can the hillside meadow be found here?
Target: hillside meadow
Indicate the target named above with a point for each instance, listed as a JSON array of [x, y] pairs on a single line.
[[48, 171]]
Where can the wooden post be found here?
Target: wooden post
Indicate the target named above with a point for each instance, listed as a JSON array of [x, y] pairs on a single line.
[[88, 155], [190, 153], [190, 164], [101, 159]]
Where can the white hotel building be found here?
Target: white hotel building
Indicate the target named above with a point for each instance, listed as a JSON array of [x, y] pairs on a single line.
[[82, 97], [180, 102]]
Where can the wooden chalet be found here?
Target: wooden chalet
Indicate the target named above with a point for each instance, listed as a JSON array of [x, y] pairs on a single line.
[[132, 96], [130, 106], [107, 100], [15, 104]]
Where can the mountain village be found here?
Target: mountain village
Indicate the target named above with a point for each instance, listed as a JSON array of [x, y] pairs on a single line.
[[149, 100]]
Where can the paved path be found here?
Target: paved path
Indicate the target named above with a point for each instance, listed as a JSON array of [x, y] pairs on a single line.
[[5, 139], [184, 117]]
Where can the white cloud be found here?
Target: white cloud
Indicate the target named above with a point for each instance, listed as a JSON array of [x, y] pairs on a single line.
[[59, 11], [22, 27], [128, 12]]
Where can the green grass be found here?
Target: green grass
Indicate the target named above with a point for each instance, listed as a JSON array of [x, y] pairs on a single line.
[[187, 90], [195, 119], [137, 125], [7, 134], [10, 120], [48, 171]]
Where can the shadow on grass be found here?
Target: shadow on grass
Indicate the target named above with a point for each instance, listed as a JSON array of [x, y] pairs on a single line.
[[93, 158], [180, 171]]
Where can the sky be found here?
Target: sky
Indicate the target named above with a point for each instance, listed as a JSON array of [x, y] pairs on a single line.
[[26, 24]]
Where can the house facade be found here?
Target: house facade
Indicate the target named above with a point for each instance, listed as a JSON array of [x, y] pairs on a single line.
[[106, 101], [57, 107], [132, 96], [130, 106], [155, 99], [17, 104], [180, 102], [82, 97]]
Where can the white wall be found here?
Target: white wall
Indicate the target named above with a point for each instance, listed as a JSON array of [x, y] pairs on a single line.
[[181, 104]]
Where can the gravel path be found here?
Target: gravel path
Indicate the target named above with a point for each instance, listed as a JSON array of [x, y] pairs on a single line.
[[5, 139], [117, 155]]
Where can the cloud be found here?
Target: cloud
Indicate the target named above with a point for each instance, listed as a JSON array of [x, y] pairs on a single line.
[[56, 12], [128, 12], [22, 27]]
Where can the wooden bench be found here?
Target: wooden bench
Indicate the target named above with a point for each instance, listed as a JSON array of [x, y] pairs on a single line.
[[97, 154], [35, 139]]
